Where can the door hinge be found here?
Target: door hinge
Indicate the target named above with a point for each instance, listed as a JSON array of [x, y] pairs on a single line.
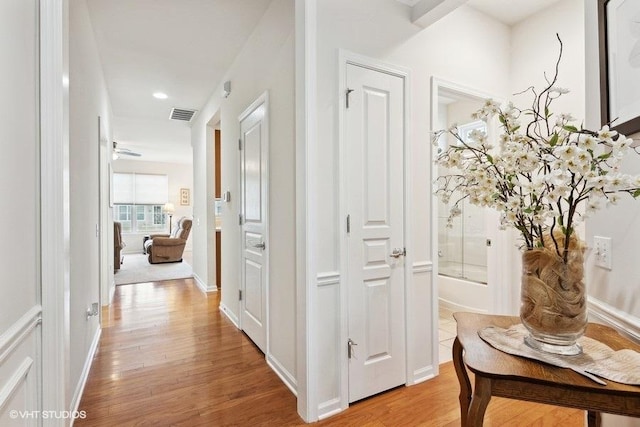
[[347, 96], [350, 345], [348, 223], [240, 294], [240, 144], [240, 219]]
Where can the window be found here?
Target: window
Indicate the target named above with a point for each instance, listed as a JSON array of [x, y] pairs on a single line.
[[123, 215], [147, 218], [138, 200]]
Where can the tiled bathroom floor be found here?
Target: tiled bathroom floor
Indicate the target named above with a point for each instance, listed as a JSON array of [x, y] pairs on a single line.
[[446, 334]]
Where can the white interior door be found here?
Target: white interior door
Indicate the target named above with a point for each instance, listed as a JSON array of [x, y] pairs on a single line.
[[253, 219], [375, 203]]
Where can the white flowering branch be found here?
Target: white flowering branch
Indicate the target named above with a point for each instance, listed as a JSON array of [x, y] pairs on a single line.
[[539, 178]]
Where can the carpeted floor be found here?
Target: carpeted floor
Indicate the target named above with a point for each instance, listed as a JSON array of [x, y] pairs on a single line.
[[136, 269]]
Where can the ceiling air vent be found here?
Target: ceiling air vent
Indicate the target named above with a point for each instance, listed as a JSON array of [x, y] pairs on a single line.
[[182, 114]]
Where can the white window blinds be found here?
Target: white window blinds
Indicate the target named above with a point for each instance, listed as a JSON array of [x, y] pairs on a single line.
[[140, 189]]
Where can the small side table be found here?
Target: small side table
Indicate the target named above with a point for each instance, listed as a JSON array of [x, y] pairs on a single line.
[[144, 240], [503, 375]]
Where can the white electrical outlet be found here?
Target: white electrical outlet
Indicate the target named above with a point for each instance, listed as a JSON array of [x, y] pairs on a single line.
[[602, 251]]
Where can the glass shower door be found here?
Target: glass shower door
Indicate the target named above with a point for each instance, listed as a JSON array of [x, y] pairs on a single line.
[[462, 248]]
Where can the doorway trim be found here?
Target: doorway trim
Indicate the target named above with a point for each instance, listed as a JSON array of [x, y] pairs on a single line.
[[54, 205], [499, 292], [349, 58]]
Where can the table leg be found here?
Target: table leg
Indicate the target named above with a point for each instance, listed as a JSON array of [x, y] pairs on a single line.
[[594, 419], [463, 379], [479, 401]]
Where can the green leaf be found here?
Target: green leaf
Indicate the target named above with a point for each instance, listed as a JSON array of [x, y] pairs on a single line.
[[636, 193], [490, 158], [501, 119], [546, 112], [605, 156], [554, 140], [570, 128]]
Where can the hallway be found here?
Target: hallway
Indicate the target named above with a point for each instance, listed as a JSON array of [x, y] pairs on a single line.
[[168, 357]]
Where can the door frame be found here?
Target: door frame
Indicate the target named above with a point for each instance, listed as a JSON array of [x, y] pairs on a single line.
[[349, 58], [499, 274], [54, 204], [262, 99]]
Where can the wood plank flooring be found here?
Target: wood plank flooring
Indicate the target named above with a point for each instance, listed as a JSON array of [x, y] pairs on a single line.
[[167, 357]]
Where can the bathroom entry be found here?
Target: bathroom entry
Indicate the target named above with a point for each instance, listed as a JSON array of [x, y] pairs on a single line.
[[470, 278]]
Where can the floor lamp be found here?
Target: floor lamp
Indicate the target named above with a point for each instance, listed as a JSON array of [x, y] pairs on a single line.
[[169, 209]]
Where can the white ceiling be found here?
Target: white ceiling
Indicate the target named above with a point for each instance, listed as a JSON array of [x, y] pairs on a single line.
[[183, 48], [179, 47], [507, 11], [510, 11]]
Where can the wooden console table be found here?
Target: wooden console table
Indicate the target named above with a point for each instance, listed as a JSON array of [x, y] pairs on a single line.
[[501, 374]]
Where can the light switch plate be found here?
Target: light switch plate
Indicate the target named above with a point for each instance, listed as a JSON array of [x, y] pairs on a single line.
[[602, 251]]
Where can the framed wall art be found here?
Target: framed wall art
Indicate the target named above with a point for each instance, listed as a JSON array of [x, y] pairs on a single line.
[[185, 197], [619, 40]]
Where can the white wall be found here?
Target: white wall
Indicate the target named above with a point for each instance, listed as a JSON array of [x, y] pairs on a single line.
[[614, 294], [622, 223], [451, 49], [180, 175], [266, 62], [88, 99], [534, 52]]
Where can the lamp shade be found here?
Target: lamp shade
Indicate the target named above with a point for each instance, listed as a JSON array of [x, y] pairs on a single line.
[[169, 208]]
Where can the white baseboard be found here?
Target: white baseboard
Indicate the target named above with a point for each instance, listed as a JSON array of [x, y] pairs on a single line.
[[617, 319], [454, 307], [229, 314], [422, 375], [77, 396], [329, 408], [284, 375], [203, 286]]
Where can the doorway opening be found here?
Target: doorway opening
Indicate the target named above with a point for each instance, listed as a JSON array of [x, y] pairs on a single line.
[[469, 276]]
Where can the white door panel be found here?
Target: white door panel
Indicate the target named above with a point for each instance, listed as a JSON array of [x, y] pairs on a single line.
[[253, 183], [375, 194], [253, 299], [252, 173]]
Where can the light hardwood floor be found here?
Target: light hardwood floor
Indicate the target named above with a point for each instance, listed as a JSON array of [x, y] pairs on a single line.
[[168, 357]]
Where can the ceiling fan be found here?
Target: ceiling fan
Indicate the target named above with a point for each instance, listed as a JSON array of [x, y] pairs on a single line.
[[123, 151]]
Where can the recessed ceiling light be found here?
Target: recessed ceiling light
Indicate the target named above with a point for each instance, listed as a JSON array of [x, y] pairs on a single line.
[[160, 95]]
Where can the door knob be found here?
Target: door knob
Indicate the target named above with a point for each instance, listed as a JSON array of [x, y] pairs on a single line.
[[260, 245], [398, 252]]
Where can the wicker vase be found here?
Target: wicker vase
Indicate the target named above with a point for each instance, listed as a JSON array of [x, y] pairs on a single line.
[[554, 305]]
